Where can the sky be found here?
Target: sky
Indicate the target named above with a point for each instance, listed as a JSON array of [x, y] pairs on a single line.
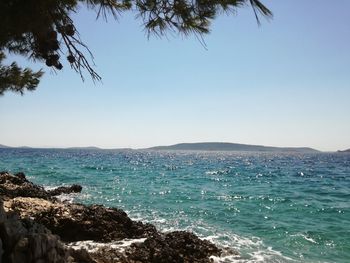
[[284, 83]]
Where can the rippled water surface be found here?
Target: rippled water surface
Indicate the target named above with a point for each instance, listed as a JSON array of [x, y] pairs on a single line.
[[268, 207]]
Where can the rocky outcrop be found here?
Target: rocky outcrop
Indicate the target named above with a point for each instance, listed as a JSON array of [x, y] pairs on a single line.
[[23, 240], [76, 222], [178, 246], [174, 247], [17, 185], [36, 227]]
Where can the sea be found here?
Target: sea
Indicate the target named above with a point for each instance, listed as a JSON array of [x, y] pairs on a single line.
[[269, 207]]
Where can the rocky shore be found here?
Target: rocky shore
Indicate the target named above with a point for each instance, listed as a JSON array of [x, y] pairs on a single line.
[[36, 227]]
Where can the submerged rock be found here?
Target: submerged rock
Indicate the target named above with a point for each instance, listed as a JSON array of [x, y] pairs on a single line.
[[75, 188]]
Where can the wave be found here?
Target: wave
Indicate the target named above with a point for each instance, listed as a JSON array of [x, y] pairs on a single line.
[[218, 172]]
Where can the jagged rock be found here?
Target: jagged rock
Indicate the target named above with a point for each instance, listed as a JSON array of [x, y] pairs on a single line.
[[11, 230], [75, 188], [29, 206], [38, 247], [82, 256], [1, 250], [76, 222], [21, 176], [93, 222], [25, 241], [18, 186], [13, 186], [174, 247]]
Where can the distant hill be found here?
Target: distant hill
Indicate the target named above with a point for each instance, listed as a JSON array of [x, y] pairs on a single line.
[[27, 147], [345, 151], [68, 148], [20, 147], [224, 146], [83, 148]]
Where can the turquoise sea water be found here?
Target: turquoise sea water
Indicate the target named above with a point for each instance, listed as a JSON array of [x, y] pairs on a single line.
[[268, 207]]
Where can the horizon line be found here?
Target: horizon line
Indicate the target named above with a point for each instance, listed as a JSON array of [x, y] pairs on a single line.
[[143, 148]]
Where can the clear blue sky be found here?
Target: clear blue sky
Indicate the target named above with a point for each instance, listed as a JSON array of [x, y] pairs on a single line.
[[286, 83]]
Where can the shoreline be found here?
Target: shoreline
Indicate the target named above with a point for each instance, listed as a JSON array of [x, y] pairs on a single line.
[[77, 227]]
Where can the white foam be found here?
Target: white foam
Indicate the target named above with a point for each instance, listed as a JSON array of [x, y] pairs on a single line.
[[225, 259], [217, 172], [307, 238], [67, 197], [92, 246], [249, 250], [49, 188], [267, 255], [212, 172]]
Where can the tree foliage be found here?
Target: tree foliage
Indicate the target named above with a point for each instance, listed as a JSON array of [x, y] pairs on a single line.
[[43, 30], [14, 78]]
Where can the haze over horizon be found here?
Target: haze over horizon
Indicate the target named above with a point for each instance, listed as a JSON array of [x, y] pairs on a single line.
[[284, 84]]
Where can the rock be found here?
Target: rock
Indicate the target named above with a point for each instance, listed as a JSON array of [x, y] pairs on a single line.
[[21, 252], [1, 251], [174, 247], [18, 186], [40, 247], [94, 222], [82, 255], [75, 188], [76, 222], [13, 186], [29, 206], [26, 241], [21, 176], [11, 230], [110, 255]]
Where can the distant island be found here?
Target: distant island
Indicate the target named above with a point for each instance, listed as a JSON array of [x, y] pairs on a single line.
[[345, 151], [224, 146]]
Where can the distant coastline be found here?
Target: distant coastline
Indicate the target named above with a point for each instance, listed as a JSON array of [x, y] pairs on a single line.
[[61, 148], [200, 146], [345, 151]]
